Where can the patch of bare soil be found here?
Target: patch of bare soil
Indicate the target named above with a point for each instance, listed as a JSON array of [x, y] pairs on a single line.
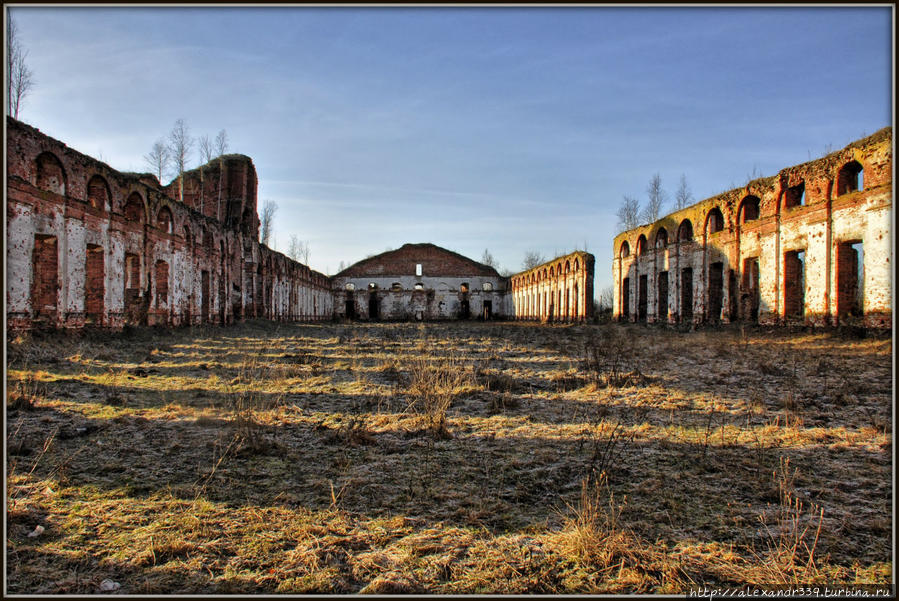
[[446, 458]]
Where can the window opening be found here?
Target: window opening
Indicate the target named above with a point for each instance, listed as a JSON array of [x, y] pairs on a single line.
[[850, 278], [794, 283]]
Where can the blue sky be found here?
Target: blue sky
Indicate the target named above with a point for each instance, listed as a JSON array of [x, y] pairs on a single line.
[[511, 129]]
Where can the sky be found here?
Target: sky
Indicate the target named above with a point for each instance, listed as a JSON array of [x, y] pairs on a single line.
[[473, 128]]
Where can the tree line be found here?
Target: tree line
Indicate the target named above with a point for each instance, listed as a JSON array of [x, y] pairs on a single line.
[[630, 214]]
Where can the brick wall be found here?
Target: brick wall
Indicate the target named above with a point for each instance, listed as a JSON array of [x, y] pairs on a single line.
[[845, 197], [90, 245]]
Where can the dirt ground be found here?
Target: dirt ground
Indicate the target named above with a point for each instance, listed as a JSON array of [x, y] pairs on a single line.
[[446, 458]]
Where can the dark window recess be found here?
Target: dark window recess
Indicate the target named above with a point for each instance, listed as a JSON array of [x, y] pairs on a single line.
[[626, 298], [795, 196], [716, 290], [686, 294], [750, 210], [850, 178], [642, 298], [850, 278], [749, 296], [794, 283], [663, 296], [373, 308], [715, 221]]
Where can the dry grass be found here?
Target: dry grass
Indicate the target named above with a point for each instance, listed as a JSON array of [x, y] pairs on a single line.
[[446, 458]]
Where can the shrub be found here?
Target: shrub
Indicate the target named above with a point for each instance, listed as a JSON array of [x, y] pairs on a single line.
[[433, 384]]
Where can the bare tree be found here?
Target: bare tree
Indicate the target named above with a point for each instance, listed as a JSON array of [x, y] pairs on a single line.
[[656, 198], [180, 145], [158, 159], [19, 78], [628, 213], [683, 198], [266, 220], [488, 259], [207, 152], [532, 258], [605, 298], [220, 146], [298, 250]]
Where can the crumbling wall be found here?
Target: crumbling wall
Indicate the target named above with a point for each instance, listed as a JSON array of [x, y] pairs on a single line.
[[776, 251], [558, 290], [88, 245]]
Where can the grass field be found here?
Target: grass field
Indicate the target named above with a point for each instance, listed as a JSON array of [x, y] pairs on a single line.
[[446, 458]]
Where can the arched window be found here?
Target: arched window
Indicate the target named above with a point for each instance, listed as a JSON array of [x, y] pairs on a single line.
[[396, 286], [714, 222], [685, 231], [164, 220], [50, 174], [488, 286], [794, 196], [350, 286], [850, 178], [749, 209], [372, 286], [577, 264], [641, 245], [625, 250], [567, 266], [98, 195], [134, 208], [188, 239], [662, 238]]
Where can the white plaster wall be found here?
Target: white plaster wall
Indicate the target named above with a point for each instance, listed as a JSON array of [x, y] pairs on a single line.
[[19, 249]]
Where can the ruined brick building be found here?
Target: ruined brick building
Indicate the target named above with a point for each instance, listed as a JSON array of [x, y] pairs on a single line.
[[559, 290], [89, 245], [810, 245], [420, 281]]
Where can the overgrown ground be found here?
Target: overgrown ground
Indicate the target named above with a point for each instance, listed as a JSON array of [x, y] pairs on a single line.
[[446, 458]]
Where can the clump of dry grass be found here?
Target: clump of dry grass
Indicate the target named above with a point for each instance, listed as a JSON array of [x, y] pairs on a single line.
[[791, 536], [433, 384], [593, 535], [25, 393], [607, 358], [254, 390]]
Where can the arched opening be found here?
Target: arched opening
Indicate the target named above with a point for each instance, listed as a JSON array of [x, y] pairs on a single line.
[[623, 252], [50, 174], [98, 195], [850, 178], [134, 209], [641, 245], [164, 220], [794, 196], [662, 238], [714, 222], [685, 231], [749, 209]]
